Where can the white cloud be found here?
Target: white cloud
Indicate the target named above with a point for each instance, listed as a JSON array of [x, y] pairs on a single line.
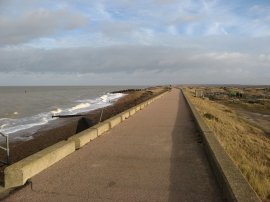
[[216, 29], [189, 41], [222, 57]]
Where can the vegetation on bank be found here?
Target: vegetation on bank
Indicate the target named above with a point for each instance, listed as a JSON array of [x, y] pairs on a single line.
[[247, 145]]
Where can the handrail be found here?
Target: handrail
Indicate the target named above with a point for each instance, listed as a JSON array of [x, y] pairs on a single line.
[[5, 148]]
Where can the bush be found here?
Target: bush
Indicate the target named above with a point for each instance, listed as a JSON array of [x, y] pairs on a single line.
[[210, 116]]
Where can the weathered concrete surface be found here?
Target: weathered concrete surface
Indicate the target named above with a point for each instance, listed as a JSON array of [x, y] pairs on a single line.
[[84, 137], [142, 106], [234, 185], [152, 156], [18, 173], [114, 121], [102, 127], [137, 108], [132, 111], [125, 115]]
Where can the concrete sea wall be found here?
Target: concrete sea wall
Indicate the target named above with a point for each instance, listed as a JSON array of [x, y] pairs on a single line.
[[231, 181]]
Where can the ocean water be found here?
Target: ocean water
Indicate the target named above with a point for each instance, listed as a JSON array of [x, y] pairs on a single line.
[[23, 108]]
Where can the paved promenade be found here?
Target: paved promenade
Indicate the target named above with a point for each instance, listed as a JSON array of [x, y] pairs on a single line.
[[152, 156]]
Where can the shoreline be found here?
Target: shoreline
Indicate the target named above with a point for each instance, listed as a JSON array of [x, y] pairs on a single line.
[[34, 113], [64, 128]]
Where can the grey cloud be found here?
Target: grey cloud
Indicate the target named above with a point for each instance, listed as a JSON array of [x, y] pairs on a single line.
[[118, 29], [185, 19], [253, 45], [163, 62], [165, 1], [82, 60], [38, 23]]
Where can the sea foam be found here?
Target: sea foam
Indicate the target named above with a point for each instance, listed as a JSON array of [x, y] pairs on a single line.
[[11, 126]]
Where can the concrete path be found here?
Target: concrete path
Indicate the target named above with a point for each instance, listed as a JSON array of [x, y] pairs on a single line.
[[152, 156]]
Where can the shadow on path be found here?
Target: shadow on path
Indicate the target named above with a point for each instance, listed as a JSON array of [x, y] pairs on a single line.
[[191, 178]]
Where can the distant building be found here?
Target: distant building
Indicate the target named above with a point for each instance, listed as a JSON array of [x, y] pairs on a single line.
[[236, 93], [199, 93]]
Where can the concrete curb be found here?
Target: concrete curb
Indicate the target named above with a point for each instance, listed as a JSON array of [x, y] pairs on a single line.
[[132, 111], [137, 108], [114, 121], [124, 115], [84, 137], [101, 127], [18, 173], [231, 181]]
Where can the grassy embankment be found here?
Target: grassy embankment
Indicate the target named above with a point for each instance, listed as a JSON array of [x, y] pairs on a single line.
[[247, 145]]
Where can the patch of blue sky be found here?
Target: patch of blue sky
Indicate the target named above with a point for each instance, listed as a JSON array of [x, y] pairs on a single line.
[[63, 39], [247, 9], [177, 18], [129, 13], [194, 8], [196, 30], [80, 8], [232, 29]]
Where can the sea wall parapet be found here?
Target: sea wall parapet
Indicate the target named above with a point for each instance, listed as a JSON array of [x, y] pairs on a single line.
[[230, 179]]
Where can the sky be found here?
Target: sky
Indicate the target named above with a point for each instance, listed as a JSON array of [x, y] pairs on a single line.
[[127, 42]]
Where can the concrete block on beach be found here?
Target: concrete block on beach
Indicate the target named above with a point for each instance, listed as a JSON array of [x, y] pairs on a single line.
[[114, 121], [18, 173], [84, 137], [102, 127]]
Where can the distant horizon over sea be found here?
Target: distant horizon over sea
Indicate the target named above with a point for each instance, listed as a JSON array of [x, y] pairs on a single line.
[[75, 85]]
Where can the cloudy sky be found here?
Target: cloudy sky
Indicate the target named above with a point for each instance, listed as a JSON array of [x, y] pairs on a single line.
[[127, 42]]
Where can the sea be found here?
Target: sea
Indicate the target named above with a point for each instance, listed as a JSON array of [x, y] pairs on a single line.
[[29, 108]]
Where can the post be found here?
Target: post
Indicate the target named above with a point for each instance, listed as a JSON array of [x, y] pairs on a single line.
[[101, 115], [6, 148], [7, 142]]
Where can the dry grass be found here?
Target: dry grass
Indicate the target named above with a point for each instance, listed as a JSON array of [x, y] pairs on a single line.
[[247, 145]]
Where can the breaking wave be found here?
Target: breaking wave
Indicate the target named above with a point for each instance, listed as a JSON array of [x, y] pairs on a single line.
[[9, 126]]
